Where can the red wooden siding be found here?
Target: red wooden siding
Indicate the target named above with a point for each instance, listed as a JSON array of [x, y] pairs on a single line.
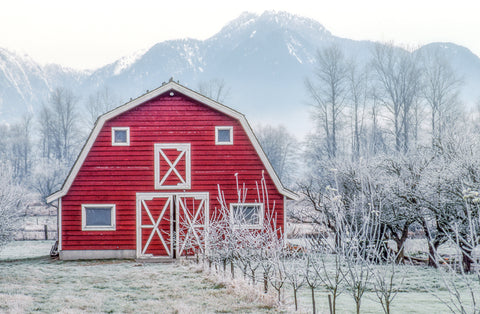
[[114, 174]]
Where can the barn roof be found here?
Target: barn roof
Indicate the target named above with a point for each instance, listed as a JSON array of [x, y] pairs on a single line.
[[168, 87]]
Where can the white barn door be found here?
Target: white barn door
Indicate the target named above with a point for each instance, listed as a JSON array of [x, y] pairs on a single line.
[[191, 223], [171, 224], [154, 224]]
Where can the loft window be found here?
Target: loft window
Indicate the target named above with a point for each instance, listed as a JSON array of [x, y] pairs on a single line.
[[98, 217], [172, 164], [223, 135], [120, 136], [247, 215]]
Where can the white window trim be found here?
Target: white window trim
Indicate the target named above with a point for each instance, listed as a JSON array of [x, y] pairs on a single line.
[[261, 215], [120, 129], [98, 228], [218, 128], [182, 147]]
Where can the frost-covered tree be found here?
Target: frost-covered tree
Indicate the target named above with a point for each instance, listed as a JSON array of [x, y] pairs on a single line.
[[440, 91], [48, 176], [12, 198], [99, 103], [400, 181], [16, 147], [398, 84], [215, 89], [59, 131], [281, 149], [327, 92], [358, 87]]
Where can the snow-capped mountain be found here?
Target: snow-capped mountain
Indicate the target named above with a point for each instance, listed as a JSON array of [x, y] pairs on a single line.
[[264, 59], [24, 84]]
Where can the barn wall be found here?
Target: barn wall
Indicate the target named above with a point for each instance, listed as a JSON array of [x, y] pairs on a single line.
[[114, 174]]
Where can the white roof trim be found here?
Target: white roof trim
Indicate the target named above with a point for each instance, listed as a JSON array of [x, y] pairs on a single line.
[[170, 86]]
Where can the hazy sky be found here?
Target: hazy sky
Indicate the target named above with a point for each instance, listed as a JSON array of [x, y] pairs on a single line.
[[90, 33]]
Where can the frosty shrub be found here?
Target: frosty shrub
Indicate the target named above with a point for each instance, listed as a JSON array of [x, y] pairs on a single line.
[[12, 197]]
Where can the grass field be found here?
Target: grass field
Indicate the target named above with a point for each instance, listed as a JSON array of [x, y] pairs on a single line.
[[32, 282], [40, 284]]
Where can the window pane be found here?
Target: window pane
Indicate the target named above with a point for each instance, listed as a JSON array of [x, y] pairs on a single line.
[[120, 136], [246, 214], [224, 135], [98, 216]]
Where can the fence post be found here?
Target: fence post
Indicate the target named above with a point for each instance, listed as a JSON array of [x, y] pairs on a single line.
[[330, 303]]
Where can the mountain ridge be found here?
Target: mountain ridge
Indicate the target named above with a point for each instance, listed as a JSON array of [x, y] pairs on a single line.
[[264, 60]]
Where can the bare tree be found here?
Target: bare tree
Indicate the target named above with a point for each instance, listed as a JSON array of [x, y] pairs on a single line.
[[440, 91], [48, 176], [12, 198], [295, 274], [18, 147], [385, 283], [358, 93], [398, 83], [99, 103], [281, 149], [215, 89], [312, 274], [328, 92], [463, 283], [400, 183], [59, 126]]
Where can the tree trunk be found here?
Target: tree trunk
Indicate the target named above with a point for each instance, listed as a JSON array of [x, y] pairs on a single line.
[[400, 243], [295, 298], [313, 299], [432, 247], [265, 283], [467, 260]]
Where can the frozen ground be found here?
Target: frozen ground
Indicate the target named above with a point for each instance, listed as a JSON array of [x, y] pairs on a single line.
[[32, 282], [25, 249], [40, 284]]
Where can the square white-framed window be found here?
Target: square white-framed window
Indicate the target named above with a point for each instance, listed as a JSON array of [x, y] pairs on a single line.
[[98, 217], [247, 215], [120, 136], [224, 135]]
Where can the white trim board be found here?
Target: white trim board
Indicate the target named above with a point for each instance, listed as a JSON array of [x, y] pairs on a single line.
[[171, 87]]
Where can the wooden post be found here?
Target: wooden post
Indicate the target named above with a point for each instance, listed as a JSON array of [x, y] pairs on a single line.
[[45, 229], [265, 283], [330, 303]]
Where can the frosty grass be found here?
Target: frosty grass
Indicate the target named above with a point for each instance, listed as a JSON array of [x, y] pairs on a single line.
[[31, 281], [38, 283]]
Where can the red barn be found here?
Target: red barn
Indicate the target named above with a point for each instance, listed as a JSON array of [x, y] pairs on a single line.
[[157, 160]]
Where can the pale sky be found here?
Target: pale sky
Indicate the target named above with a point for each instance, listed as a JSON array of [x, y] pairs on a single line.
[[88, 34]]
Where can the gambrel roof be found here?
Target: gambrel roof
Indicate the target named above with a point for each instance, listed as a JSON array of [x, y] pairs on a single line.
[[169, 87]]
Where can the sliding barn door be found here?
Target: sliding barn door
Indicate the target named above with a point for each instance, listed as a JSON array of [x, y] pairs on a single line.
[[155, 212], [171, 224], [191, 223]]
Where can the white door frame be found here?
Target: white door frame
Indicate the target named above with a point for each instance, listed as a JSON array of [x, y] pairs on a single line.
[[178, 206]]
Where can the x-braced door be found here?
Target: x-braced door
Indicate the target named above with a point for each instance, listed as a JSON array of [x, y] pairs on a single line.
[[171, 224], [155, 213], [191, 223]]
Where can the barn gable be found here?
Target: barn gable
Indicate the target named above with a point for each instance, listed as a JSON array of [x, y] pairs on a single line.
[[171, 88]]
